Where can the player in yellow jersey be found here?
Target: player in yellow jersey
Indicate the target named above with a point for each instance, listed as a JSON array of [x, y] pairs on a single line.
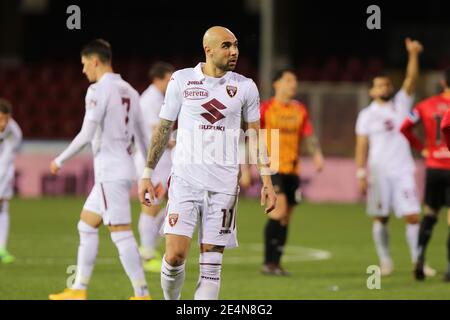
[[291, 118]]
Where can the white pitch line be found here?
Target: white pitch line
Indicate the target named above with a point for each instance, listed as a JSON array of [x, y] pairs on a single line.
[[253, 255]]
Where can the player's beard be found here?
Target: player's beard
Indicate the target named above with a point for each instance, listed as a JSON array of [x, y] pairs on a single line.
[[387, 97]]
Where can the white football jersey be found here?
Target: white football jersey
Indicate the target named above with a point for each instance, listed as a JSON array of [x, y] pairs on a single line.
[[389, 150], [10, 141], [114, 105], [209, 112], [150, 102]]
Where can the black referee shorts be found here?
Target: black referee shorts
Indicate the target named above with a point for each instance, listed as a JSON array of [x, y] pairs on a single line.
[[437, 188], [286, 184]]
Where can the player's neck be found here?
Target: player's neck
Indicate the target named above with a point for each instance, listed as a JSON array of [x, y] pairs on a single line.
[[102, 70], [381, 102], [211, 70], [282, 99], [159, 86]]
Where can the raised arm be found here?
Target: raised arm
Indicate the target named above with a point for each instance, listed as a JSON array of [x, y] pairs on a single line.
[[414, 48]]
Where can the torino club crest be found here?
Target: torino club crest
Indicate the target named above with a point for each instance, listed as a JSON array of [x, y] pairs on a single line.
[[231, 90], [173, 218]]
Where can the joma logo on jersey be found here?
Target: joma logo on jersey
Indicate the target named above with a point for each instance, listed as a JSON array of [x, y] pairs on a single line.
[[195, 82], [213, 108], [195, 93]]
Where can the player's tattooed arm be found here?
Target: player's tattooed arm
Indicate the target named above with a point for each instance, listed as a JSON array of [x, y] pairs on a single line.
[[159, 142], [257, 148], [414, 48], [313, 146], [268, 196]]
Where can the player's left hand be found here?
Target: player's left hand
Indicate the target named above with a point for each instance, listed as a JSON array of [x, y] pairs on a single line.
[[424, 153], [146, 187], [318, 162], [268, 197], [54, 169]]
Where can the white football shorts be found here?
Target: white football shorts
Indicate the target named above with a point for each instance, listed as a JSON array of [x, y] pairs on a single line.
[[396, 192], [111, 200], [7, 185], [214, 212]]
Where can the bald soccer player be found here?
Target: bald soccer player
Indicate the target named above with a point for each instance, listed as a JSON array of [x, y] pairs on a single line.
[[208, 102]]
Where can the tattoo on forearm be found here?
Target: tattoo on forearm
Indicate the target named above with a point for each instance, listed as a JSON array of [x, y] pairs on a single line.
[[159, 142], [312, 144]]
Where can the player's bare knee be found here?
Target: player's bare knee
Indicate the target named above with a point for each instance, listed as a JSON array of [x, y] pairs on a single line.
[[431, 212], [151, 211], [120, 227], [175, 258], [90, 218], [383, 220], [412, 218]]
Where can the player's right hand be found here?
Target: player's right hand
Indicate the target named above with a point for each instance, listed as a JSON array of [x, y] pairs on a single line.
[[413, 46], [268, 197], [54, 168], [363, 184], [146, 188]]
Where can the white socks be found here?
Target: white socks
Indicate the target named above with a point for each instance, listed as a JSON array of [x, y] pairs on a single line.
[[87, 253], [208, 285], [4, 224], [149, 233], [412, 237], [131, 261], [381, 238], [172, 279]]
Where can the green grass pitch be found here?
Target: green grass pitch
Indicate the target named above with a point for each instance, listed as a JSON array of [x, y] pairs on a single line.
[[329, 250]]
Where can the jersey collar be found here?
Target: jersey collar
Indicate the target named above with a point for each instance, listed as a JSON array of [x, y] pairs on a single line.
[[201, 76], [110, 75]]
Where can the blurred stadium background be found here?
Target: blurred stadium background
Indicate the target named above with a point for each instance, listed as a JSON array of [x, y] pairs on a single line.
[[329, 46]]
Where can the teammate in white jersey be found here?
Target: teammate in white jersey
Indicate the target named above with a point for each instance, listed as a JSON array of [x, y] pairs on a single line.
[[112, 123], [152, 217], [208, 101], [10, 141], [391, 184]]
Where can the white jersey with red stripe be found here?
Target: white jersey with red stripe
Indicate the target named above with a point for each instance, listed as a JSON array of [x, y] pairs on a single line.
[[209, 114], [389, 150], [114, 105]]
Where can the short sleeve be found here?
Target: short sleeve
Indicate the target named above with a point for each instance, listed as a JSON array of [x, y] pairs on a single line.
[[172, 101], [403, 100], [95, 108], [251, 107], [414, 115], [307, 127], [263, 110], [362, 123]]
